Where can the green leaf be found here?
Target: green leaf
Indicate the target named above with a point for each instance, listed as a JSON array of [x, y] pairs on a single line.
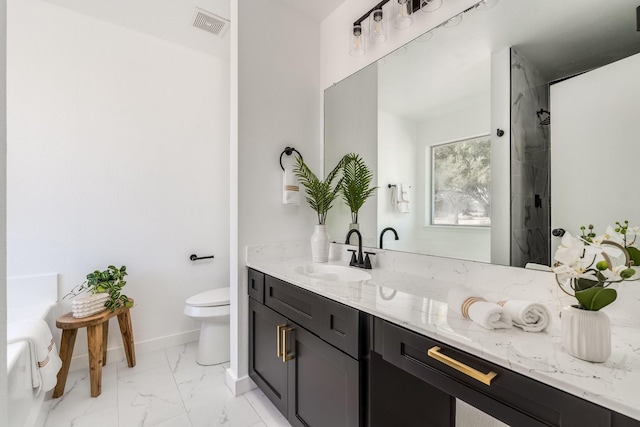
[[581, 284], [634, 254], [596, 298]]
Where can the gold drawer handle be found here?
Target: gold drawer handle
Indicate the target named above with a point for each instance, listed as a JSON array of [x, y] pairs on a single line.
[[279, 340], [285, 356], [461, 367]]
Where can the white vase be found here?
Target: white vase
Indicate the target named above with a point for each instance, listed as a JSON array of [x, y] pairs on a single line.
[[586, 334], [320, 244]]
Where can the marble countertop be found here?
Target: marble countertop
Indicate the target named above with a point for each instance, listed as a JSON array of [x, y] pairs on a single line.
[[417, 300]]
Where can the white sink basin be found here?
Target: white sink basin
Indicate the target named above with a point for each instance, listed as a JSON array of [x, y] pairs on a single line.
[[333, 273]]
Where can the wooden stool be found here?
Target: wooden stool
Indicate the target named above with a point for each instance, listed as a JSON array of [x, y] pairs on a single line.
[[97, 333]]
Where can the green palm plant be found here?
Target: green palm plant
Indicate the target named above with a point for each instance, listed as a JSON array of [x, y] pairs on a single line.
[[356, 178], [320, 194]]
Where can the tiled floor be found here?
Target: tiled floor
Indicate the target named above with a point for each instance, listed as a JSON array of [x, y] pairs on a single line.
[[166, 388]]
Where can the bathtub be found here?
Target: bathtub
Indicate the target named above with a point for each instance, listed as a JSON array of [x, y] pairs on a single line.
[[32, 297]]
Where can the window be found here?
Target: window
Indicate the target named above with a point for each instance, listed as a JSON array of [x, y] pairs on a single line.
[[461, 182]]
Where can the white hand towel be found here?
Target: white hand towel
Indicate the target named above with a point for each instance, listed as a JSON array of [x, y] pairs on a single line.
[[402, 198], [45, 362], [290, 188], [469, 304], [527, 315]]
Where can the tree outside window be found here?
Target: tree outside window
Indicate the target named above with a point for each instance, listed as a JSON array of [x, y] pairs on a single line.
[[461, 182]]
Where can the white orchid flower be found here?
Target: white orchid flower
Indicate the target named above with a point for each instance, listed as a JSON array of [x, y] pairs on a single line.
[[576, 271], [634, 231], [571, 250]]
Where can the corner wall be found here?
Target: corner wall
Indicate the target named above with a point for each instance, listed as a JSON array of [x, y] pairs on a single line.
[[279, 105]]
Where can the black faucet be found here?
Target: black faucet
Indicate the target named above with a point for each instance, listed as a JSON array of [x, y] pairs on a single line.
[[384, 231], [358, 261]]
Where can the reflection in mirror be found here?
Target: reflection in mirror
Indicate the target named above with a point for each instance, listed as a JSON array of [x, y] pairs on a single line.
[[507, 69]]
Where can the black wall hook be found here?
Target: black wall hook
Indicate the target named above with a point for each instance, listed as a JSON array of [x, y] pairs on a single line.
[[288, 151]]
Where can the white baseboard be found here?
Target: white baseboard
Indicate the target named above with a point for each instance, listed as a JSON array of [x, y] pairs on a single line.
[[237, 385], [117, 353]]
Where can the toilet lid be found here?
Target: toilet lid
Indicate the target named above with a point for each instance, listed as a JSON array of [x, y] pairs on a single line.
[[212, 298]]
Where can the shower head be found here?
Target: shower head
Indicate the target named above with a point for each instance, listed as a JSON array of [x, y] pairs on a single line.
[[544, 117]]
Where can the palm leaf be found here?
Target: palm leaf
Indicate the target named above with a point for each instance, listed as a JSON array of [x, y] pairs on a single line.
[[356, 178], [319, 194]]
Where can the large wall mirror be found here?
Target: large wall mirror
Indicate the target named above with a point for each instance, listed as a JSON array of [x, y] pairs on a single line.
[[558, 78]]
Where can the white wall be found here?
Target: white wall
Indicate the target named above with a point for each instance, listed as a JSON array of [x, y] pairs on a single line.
[[473, 243], [279, 105], [3, 218], [397, 149], [117, 154], [594, 148], [336, 64]]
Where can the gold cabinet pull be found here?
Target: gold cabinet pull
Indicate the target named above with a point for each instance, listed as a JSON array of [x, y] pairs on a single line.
[[285, 356], [279, 329], [434, 352]]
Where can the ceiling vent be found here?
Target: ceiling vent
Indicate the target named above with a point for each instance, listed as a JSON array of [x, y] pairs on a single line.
[[209, 22]]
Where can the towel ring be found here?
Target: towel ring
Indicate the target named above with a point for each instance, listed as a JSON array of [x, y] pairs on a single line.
[[288, 151]]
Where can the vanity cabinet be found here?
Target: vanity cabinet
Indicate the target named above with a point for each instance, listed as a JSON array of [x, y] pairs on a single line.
[[306, 353], [508, 396]]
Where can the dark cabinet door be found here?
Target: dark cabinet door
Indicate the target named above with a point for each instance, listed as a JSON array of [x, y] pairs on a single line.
[[266, 367], [324, 383]]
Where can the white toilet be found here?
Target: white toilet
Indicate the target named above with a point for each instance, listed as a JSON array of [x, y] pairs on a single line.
[[212, 308]]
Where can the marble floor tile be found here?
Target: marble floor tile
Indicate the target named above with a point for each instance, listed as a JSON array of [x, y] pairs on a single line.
[[166, 388], [182, 360], [265, 409], [148, 398], [76, 402], [181, 420], [144, 362], [107, 417], [210, 403]]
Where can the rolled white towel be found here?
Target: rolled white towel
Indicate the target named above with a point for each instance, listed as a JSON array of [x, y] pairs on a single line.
[[92, 305], [529, 316], [80, 313], [91, 299], [469, 304]]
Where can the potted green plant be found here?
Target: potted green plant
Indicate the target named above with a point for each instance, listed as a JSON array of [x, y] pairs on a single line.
[[355, 186], [320, 195], [110, 281], [585, 268]]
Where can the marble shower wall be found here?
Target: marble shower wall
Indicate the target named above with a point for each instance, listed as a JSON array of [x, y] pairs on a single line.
[[530, 164]]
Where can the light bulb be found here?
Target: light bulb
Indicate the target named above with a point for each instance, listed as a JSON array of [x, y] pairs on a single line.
[[402, 13], [357, 41], [378, 31]]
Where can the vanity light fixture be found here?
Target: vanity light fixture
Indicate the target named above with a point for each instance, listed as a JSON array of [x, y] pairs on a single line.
[[357, 41], [430, 5], [402, 10], [378, 31]]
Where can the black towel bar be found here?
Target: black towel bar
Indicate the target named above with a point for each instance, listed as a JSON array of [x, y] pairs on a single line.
[[195, 257]]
